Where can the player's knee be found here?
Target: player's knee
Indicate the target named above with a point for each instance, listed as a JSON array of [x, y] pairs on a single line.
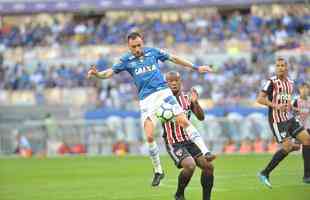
[[209, 168], [307, 142], [189, 165], [150, 139], [287, 147]]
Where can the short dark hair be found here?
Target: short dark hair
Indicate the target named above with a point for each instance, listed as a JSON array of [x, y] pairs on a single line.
[[282, 59], [173, 73], [134, 35]]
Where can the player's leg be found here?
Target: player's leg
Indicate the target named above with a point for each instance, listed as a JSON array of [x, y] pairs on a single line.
[[193, 133], [183, 160], [287, 147], [188, 165], [153, 151], [207, 176], [304, 138]]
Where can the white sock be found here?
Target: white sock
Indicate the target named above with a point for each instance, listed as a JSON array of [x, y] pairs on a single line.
[[154, 155], [197, 139]]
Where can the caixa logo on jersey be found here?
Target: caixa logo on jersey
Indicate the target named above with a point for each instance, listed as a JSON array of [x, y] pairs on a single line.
[[144, 69]]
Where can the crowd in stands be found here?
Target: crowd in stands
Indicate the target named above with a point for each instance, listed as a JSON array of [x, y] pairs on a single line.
[[239, 78], [236, 79], [164, 28]]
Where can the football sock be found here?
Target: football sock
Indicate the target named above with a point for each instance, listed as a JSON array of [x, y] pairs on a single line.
[[196, 138], [306, 157], [207, 181], [276, 159], [183, 180], [154, 155]]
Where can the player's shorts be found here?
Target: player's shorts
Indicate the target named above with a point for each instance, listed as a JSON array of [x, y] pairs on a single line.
[[151, 104], [286, 129], [180, 151]]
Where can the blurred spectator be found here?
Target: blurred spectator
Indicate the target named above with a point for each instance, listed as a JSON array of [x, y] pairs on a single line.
[[230, 147], [272, 146], [23, 146], [120, 148], [246, 146], [259, 145]]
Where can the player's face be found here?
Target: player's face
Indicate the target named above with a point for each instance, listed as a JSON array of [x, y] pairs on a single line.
[[136, 46], [304, 91], [281, 68], [174, 83]]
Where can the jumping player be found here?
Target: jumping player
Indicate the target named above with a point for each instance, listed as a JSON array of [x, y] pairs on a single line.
[[277, 95], [182, 150], [142, 64]]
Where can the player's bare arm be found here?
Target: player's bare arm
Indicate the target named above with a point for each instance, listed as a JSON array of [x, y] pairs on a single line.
[[295, 107], [93, 72], [195, 106], [263, 100], [180, 61]]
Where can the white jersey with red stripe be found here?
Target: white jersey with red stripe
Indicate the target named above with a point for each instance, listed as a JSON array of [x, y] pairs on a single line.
[[174, 133], [279, 93], [303, 110]]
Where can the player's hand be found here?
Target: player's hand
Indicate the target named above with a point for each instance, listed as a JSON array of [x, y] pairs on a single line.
[[205, 69], [194, 95], [92, 72]]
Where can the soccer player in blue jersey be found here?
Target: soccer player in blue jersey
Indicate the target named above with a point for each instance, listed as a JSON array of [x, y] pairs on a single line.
[[142, 64]]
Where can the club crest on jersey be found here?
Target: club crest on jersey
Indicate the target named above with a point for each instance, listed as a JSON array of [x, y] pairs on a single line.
[[283, 134], [179, 152], [145, 69]]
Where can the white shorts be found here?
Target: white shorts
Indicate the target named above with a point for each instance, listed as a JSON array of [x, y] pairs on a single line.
[[151, 103]]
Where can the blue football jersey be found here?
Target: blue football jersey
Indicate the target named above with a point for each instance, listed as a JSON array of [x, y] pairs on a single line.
[[144, 71]]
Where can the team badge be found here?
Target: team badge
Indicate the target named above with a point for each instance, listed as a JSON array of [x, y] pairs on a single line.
[[179, 152], [283, 134]]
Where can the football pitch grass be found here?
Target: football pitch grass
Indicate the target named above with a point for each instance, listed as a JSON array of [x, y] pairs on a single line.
[[128, 178]]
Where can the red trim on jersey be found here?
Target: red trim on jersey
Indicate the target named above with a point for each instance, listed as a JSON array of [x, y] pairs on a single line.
[[281, 87], [274, 100], [178, 127], [177, 134], [169, 133], [282, 102]]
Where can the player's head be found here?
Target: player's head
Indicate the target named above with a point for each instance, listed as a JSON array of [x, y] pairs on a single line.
[[135, 43], [173, 79], [281, 67], [303, 90]]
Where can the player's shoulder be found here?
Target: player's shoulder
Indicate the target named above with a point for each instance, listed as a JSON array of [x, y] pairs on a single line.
[[273, 78], [153, 50], [127, 57], [185, 95], [290, 80], [150, 50]]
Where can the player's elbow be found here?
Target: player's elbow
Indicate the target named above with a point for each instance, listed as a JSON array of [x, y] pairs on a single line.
[[260, 100]]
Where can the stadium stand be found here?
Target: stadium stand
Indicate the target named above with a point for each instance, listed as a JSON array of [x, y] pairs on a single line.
[[44, 59]]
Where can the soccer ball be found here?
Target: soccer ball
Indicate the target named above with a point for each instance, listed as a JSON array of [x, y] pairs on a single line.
[[165, 112]]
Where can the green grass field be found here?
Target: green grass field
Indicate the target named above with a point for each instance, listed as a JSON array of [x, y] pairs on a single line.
[[128, 178]]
